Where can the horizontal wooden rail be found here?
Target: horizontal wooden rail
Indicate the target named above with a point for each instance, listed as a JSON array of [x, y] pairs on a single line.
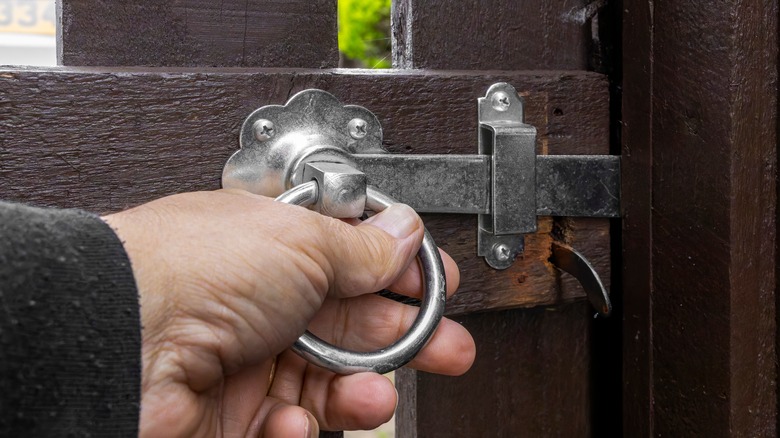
[[108, 139]]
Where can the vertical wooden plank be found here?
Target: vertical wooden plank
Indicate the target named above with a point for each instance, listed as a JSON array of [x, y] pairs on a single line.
[[199, 33], [529, 380], [533, 371], [493, 34], [637, 180], [701, 108], [712, 218], [607, 338]]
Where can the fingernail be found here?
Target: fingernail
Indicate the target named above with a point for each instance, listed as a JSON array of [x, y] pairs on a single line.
[[312, 428], [398, 220]]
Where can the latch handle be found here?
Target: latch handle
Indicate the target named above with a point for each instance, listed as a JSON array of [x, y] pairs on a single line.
[[396, 355]]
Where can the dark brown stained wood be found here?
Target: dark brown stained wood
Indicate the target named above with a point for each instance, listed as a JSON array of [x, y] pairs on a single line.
[[533, 372], [493, 34], [637, 180], [227, 33], [701, 107], [107, 140]]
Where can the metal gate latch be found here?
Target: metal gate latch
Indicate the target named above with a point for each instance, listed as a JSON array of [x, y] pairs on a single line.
[[507, 184]]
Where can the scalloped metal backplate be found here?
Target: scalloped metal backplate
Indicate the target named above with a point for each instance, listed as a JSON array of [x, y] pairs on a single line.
[[312, 124]]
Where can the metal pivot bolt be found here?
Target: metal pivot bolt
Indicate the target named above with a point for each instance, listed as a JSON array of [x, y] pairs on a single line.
[[342, 189]]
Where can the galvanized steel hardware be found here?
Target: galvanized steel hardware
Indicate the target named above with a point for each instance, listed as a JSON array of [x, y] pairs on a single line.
[[342, 361], [568, 259], [507, 184]]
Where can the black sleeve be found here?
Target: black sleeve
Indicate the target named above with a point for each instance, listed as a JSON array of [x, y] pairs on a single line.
[[70, 333]]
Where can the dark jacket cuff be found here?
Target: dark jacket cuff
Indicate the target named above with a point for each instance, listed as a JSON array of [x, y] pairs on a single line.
[[70, 333]]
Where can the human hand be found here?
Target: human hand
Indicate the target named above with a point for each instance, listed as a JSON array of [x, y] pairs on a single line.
[[229, 280]]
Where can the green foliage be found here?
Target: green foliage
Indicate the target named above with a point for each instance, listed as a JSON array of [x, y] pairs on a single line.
[[364, 32]]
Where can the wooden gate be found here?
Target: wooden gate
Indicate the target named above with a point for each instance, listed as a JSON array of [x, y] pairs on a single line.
[[153, 94]]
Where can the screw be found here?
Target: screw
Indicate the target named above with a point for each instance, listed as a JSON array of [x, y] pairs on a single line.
[[264, 129], [501, 101], [357, 128], [502, 252]]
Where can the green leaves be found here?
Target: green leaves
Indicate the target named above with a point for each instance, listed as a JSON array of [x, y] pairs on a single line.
[[364, 32]]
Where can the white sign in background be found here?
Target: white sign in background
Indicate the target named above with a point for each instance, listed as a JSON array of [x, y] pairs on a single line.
[[28, 32]]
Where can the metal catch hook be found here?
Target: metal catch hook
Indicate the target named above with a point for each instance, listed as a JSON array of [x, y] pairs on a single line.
[[567, 259]]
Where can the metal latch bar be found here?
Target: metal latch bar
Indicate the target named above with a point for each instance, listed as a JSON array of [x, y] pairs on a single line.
[[431, 183], [566, 185], [578, 185]]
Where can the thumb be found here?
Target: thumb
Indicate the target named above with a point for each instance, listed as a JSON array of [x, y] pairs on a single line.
[[369, 257]]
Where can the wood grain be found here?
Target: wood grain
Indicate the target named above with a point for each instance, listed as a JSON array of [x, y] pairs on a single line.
[[637, 180], [542, 352], [199, 33], [701, 107], [107, 140], [493, 34]]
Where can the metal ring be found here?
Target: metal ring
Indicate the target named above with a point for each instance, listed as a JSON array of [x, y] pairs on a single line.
[[397, 354]]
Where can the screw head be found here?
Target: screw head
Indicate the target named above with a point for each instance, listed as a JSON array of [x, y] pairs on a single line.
[[502, 252], [501, 101], [358, 128], [264, 129]]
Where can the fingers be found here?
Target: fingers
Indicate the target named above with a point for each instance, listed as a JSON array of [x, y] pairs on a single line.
[[362, 257], [281, 420], [361, 401], [288, 378], [242, 397], [356, 402], [368, 257], [247, 411], [377, 262], [371, 322]]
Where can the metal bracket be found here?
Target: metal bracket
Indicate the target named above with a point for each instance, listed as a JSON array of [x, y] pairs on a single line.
[[506, 184], [510, 145]]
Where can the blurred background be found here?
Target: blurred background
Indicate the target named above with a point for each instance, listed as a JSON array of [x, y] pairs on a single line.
[[28, 32], [364, 33]]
